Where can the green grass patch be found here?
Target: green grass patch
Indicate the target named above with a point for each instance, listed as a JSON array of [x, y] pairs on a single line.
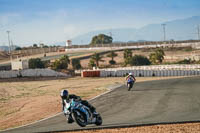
[[22, 95], [4, 99]]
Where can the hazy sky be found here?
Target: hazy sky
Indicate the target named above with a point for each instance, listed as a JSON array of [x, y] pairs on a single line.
[[50, 21]]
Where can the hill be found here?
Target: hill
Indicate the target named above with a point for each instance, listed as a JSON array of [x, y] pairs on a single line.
[[181, 29]]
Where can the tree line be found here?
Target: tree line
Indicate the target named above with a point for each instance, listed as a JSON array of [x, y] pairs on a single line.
[[154, 58]]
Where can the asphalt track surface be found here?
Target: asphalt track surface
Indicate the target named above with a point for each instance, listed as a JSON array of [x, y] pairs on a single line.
[[164, 101]]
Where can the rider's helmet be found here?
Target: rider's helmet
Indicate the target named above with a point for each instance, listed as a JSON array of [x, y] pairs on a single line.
[[130, 74], [64, 94]]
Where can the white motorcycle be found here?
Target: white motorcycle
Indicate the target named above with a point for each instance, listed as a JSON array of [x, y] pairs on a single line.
[[81, 113]]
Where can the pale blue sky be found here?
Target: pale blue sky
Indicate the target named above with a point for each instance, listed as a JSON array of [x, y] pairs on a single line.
[[50, 21]]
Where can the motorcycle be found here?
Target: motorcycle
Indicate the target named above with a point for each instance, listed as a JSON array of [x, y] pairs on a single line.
[[130, 83], [81, 114]]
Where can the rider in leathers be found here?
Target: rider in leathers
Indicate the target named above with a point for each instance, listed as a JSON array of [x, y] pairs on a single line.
[[130, 75], [66, 96]]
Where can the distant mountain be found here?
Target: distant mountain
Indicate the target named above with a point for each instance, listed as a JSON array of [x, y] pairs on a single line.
[[59, 44], [182, 29], [4, 48]]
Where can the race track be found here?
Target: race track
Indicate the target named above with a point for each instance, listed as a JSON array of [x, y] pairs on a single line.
[[164, 101]]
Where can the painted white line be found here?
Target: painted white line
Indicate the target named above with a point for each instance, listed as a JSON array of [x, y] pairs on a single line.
[[112, 88]]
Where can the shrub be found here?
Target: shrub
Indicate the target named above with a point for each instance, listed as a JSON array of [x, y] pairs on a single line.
[[157, 56], [96, 57], [185, 61], [36, 63], [91, 63], [18, 48], [112, 55], [76, 64], [127, 56], [61, 63], [139, 60], [112, 62]]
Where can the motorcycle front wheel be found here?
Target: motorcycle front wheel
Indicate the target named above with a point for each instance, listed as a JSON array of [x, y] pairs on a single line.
[[80, 118], [130, 85], [98, 120]]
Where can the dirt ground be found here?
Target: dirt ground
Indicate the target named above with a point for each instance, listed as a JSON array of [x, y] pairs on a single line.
[[23, 101], [170, 128]]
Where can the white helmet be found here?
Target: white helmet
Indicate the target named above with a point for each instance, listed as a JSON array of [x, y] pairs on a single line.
[[130, 74]]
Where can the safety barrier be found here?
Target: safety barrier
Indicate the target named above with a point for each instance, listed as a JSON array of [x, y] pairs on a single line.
[[146, 71], [149, 73], [32, 73], [158, 67], [90, 74]]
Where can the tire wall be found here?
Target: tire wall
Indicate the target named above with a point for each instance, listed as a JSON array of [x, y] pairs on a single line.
[[146, 71], [32, 73], [149, 73]]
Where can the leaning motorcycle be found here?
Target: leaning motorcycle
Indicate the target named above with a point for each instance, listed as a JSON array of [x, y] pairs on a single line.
[[81, 114], [130, 83]]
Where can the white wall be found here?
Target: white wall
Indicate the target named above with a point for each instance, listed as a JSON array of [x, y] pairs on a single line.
[[19, 65], [153, 70], [149, 73], [158, 67]]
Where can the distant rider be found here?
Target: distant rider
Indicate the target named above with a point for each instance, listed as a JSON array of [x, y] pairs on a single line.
[[66, 97], [130, 75]]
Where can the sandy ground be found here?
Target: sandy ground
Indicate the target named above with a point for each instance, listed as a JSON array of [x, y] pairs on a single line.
[[170, 128], [27, 100]]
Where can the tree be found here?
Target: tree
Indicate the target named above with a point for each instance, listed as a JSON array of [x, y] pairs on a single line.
[[139, 60], [112, 54], [61, 63], [127, 56], [157, 56], [18, 48], [152, 58], [35, 45], [45, 46], [101, 39], [76, 64], [36, 63], [91, 63], [65, 58], [96, 58]]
